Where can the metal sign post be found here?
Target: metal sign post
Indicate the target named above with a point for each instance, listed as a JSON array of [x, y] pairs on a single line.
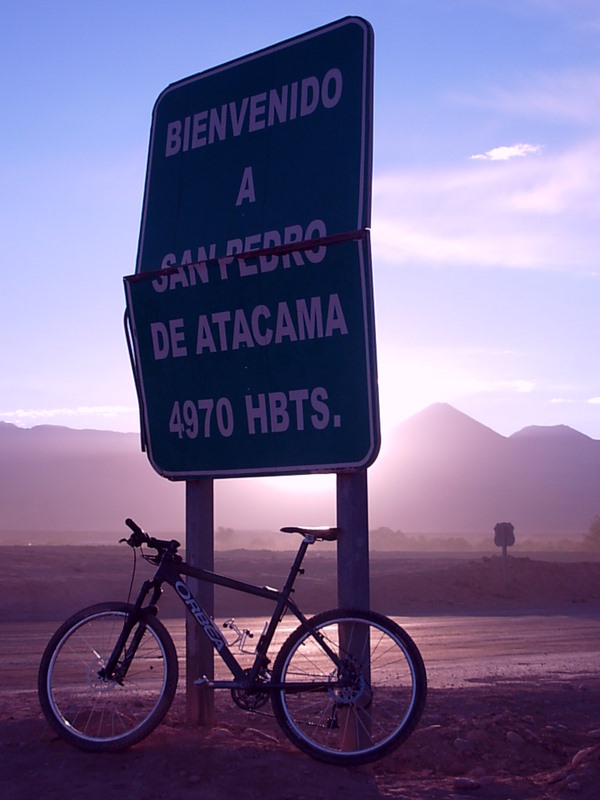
[[353, 544]]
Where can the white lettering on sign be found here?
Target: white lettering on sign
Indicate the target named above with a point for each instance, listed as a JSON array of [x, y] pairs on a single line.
[[279, 412], [189, 271], [198, 419], [265, 413], [192, 268], [313, 318], [246, 191], [250, 114], [299, 321], [168, 340], [292, 234]]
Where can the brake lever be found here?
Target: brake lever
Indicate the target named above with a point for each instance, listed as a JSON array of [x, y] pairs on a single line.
[[138, 537]]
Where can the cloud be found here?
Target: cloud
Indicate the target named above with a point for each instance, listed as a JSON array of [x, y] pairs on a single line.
[[22, 415], [534, 213], [469, 215], [505, 153]]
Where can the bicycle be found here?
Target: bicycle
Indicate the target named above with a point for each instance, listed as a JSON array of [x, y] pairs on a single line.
[[346, 687]]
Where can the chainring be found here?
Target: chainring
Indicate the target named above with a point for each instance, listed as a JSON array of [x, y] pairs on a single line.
[[253, 698]]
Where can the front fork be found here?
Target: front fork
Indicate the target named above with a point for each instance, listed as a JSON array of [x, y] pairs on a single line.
[[116, 667]]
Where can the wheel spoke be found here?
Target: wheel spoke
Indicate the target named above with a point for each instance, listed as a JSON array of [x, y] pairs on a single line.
[[95, 712], [376, 688]]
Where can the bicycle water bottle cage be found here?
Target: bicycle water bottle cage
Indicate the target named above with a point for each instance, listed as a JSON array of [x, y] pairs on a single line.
[[240, 636]]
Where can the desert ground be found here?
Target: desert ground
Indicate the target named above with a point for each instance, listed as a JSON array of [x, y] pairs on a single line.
[[513, 707]]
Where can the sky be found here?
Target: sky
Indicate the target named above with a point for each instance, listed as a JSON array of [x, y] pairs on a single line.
[[486, 197]]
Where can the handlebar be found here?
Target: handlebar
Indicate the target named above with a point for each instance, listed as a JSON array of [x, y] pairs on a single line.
[[139, 537]]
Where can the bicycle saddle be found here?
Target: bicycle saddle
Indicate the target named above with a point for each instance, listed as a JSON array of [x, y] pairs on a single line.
[[324, 533]]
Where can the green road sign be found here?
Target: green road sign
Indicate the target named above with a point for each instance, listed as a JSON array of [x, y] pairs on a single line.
[[270, 147], [251, 308]]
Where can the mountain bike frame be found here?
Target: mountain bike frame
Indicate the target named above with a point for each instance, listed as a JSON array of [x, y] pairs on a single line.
[[170, 570]]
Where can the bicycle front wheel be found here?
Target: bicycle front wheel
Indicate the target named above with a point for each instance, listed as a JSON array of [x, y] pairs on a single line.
[[353, 687], [102, 714]]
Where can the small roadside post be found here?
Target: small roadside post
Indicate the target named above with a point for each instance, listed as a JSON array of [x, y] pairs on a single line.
[[504, 537]]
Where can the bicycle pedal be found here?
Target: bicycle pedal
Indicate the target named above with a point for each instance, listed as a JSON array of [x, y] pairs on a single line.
[[203, 681]]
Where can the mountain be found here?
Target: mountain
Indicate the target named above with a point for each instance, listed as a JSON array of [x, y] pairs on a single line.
[[439, 472], [443, 471], [60, 479]]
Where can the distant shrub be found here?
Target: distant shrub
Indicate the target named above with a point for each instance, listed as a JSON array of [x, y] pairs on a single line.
[[592, 537]]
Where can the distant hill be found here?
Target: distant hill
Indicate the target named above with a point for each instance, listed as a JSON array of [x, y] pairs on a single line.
[[60, 479], [439, 472]]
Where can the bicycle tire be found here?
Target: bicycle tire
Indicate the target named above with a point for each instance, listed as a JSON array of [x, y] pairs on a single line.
[[362, 711], [96, 714]]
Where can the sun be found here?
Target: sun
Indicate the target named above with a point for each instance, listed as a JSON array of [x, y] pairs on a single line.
[[412, 379]]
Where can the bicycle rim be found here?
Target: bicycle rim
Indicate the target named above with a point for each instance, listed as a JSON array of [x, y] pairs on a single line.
[[99, 714], [359, 708]]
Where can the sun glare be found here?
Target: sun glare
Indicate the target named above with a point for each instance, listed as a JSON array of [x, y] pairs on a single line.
[[409, 382]]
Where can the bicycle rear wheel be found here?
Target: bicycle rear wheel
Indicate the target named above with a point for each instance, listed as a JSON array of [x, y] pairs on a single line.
[[99, 714], [357, 704]]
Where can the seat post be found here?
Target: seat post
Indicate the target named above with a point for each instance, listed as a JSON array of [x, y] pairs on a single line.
[[295, 568]]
